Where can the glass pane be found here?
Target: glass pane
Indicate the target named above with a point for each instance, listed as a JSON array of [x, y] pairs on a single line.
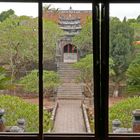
[[19, 67], [124, 64], [68, 69]]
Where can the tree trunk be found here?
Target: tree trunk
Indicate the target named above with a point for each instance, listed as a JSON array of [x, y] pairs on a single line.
[[116, 89]]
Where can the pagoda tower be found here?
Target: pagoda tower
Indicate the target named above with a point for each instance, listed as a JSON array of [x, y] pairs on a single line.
[[66, 51], [71, 25]]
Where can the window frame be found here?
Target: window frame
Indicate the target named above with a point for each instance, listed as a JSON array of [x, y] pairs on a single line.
[[105, 73], [101, 76]]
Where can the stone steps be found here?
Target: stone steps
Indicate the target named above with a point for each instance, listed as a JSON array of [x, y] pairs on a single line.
[[67, 80], [71, 85], [69, 90], [68, 74], [74, 76], [68, 93], [70, 97]]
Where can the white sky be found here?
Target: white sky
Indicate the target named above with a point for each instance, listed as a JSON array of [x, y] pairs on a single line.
[[128, 10], [31, 9]]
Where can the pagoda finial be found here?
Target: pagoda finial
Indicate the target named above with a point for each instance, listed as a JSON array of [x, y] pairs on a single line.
[[70, 8]]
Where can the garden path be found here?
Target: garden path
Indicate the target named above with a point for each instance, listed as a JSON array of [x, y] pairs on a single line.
[[69, 118]]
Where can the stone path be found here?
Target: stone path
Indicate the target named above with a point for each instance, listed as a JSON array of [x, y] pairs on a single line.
[[69, 118]]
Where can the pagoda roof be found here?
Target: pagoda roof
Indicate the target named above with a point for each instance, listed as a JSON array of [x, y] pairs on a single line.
[[70, 27], [68, 22], [69, 18]]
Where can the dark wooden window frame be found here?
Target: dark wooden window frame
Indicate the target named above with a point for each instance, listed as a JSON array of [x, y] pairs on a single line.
[[101, 76], [105, 73]]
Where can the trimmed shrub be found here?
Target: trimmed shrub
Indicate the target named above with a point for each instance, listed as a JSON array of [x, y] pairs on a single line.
[[16, 108], [123, 112], [30, 81]]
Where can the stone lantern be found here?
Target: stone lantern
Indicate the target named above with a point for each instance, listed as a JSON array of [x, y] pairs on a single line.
[[116, 124], [136, 121], [20, 128], [21, 123]]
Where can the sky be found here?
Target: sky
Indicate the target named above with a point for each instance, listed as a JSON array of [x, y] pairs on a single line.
[[31, 9]]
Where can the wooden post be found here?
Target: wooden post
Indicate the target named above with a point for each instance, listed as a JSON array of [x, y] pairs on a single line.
[[136, 121], [2, 121]]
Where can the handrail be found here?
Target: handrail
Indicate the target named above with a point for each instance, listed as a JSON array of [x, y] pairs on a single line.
[[54, 115], [86, 120]]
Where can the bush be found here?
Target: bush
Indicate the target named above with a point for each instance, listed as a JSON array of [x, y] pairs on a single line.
[[16, 108], [123, 111], [30, 81], [133, 76]]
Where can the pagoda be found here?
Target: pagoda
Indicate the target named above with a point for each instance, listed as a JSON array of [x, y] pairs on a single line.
[[66, 51], [71, 25]]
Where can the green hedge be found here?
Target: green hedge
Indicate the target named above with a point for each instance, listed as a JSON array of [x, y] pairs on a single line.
[[30, 81], [123, 112], [16, 108]]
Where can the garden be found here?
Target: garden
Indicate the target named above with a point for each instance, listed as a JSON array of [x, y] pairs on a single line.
[[19, 89]]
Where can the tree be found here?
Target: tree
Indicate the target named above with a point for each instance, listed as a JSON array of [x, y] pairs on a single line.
[[83, 41], [111, 65], [85, 65], [4, 80], [47, 8], [6, 14], [138, 19], [51, 34], [133, 76], [121, 40], [19, 42], [136, 27], [132, 20]]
